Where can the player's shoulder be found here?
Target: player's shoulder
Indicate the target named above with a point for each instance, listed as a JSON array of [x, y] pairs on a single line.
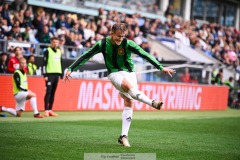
[[16, 72], [131, 43]]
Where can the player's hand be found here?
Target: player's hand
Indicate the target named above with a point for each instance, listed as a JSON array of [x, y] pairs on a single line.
[[67, 76], [169, 71], [46, 78]]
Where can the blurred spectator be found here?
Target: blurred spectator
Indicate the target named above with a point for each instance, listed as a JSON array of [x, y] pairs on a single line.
[[231, 88], [45, 36], [185, 78], [213, 76], [75, 28], [169, 11], [219, 77], [19, 16], [155, 54], [145, 46], [102, 15], [61, 30], [52, 28], [155, 8], [27, 21], [153, 29], [181, 35], [5, 13], [54, 19], [229, 83], [193, 79], [3, 63], [18, 4], [32, 68], [88, 32], [26, 34], [61, 21], [15, 32], [13, 63], [69, 22], [61, 44], [37, 23], [1, 32], [238, 91], [145, 28], [6, 27]]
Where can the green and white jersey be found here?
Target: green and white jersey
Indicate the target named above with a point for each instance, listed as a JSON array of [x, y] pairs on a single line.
[[117, 58]]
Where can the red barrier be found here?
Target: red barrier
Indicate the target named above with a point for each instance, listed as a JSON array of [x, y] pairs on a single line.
[[101, 95]]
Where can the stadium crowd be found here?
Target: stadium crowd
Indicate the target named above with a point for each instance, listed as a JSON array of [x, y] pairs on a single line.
[[38, 25]]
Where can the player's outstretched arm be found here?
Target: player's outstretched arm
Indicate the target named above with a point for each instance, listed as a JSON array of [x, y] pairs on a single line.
[[67, 76], [169, 71]]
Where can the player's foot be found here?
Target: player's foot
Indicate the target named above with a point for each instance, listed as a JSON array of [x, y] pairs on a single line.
[[157, 104], [46, 114], [124, 140], [38, 115], [51, 113]]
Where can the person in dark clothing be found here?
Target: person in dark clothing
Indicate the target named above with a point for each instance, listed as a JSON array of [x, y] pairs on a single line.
[[45, 36], [37, 23], [169, 11], [145, 28], [5, 13], [52, 71], [3, 63], [27, 21], [231, 89], [238, 91], [219, 77]]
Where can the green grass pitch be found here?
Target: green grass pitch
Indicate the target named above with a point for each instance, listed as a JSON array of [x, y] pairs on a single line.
[[185, 135]]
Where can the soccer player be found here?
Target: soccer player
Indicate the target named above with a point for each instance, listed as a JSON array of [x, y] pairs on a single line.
[[52, 71], [117, 51], [21, 92]]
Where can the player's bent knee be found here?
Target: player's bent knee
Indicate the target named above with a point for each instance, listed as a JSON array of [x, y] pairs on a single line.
[[30, 95]]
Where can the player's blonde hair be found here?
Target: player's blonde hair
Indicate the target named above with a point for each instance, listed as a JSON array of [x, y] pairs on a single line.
[[119, 26], [22, 59]]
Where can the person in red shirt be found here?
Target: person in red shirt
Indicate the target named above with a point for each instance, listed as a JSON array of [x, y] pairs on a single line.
[[185, 78], [13, 63]]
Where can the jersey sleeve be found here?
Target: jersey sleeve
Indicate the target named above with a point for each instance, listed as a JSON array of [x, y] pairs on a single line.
[[86, 56], [132, 46]]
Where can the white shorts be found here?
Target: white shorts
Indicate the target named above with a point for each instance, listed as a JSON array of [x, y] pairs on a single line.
[[117, 77], [21, 98]]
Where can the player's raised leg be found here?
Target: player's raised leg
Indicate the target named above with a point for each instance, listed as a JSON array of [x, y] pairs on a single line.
[[140, 96]]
